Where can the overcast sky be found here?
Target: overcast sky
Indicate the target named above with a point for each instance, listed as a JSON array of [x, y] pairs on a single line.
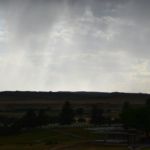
[[75, 45]]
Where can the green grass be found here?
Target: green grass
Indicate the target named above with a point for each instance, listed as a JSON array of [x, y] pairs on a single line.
[[46, 137], [44, 147], [96, 147], [24, 147], [41, 139], [148, 148]]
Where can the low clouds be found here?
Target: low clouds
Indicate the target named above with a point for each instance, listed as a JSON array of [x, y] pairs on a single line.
[[96, 45]]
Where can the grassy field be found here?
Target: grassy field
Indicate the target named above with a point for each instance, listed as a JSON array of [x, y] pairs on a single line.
[[55, 139], [95, 147], [45, 138]]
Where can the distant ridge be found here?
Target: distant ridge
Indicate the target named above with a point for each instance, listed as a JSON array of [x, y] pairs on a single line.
[[116, 97]]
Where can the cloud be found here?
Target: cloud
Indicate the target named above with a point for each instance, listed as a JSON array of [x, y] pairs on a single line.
[[74, 45]]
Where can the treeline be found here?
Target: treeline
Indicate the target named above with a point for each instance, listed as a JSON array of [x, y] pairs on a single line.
[[61, 96], [42, 118], [130, 117], [136, 118], [29, 95]]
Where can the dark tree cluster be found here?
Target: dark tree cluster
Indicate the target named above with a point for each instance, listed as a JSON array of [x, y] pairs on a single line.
[[137, 118], [96, 115], [67, 114], [40, 118], [32, 119]]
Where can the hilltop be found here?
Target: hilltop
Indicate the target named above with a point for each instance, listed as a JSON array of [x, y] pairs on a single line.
[[32, 96]]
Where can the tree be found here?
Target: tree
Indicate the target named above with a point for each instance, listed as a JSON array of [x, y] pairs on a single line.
[[80, 115], [28, 121], [67, 114], [6, 121], [79, 112], [96, 115], [126, 106], [147, 104], [130, 117], [42, 118], [108, 118], [137, 118]]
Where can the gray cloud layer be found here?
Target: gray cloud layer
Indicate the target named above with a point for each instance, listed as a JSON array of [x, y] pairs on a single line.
[[100, 45]]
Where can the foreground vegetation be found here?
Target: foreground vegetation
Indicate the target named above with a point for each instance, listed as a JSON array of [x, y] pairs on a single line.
[[53, 139], [40, 139], [33, 129], [57, 139]]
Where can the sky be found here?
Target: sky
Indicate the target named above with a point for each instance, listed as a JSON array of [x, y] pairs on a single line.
[[75, 45]]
